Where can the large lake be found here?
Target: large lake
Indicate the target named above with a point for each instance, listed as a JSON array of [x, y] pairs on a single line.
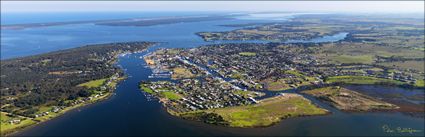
[[130, 112]]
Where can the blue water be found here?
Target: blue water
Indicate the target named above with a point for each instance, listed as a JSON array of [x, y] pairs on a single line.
[[130, 112], [42, 17], [31, 41]]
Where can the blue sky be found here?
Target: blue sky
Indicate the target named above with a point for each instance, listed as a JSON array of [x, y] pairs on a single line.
[[316, 6]]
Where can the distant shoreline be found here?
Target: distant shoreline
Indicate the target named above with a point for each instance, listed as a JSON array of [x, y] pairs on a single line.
[[123, 22]]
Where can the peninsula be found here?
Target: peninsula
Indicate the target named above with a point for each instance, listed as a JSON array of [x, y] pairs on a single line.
[[38, 88]]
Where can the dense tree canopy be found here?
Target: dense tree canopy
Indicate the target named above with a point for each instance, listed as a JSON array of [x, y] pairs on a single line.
[[52, 77]]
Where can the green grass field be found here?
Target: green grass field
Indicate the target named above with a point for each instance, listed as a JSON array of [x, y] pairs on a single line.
[[268, 111], [161, 92], [367, 59], [171, 95], [247, 54], [365, 80], [6, 127], [93, 83], [44, 109], [146, 89], [179, 73], [420, 83]]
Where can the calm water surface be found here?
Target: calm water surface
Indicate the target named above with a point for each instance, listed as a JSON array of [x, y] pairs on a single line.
[[130, 112]]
